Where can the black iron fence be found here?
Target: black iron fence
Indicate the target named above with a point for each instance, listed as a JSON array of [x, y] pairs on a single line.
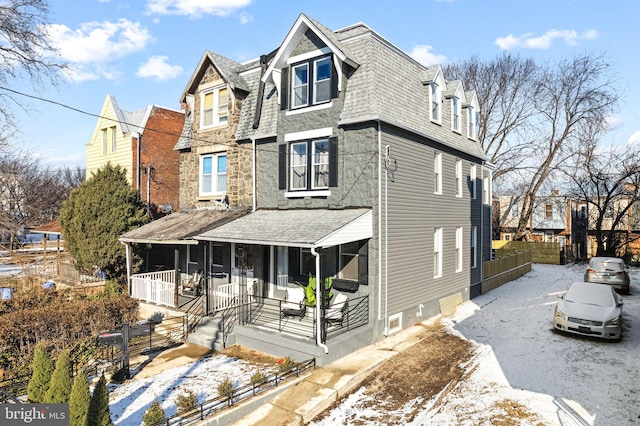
[[237, 395]]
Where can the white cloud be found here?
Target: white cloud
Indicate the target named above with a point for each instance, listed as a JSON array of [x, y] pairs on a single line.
[[634, 139], [529, 41], [91, 47], [158, 67], [245, 18], [614, 121], [422, 53], [195, 8]]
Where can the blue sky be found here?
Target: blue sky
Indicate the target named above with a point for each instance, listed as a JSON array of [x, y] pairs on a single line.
[[143, 52]]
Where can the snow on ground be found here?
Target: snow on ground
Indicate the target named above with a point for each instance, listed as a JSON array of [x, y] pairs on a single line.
[[561, 380], [129, 401], [521, 361]]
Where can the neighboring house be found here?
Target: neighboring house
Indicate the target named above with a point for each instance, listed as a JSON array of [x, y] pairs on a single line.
[[142, 143], [344, 158]]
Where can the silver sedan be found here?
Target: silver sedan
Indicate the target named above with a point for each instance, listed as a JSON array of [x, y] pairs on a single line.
[[590, 309]]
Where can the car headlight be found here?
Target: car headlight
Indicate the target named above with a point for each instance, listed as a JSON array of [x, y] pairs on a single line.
[[614, 321], [560, 315]]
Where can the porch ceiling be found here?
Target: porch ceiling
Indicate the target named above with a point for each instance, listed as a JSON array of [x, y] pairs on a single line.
[[296, 228], [182, 226]]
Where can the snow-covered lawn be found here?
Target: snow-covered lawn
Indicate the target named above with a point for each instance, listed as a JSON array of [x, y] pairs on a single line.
[[520, 359]]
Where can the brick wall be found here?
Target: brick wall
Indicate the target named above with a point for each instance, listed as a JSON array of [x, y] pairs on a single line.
[[161, 185]]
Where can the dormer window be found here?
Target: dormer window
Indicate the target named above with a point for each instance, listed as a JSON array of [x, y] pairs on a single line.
[[471, 122], [455, 114], [318, 73], [214, 107], [436, 99]]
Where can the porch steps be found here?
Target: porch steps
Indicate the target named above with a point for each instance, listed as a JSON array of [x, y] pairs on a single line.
[[209, 334]]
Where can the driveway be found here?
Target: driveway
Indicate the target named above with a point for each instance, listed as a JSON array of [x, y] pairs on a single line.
[[588, 380]]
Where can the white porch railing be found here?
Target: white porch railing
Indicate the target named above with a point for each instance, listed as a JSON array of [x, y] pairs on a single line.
[[221, 297], [157, 287]]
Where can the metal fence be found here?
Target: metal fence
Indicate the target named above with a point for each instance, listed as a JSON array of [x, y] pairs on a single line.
[[239, 394]]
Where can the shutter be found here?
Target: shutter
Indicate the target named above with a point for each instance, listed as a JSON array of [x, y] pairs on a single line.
[[334, 80], [284, 89], [363, 264], [282, 166], [333, 162]]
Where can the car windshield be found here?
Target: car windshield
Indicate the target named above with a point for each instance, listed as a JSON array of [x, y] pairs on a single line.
[[610, 265], [595, 294]]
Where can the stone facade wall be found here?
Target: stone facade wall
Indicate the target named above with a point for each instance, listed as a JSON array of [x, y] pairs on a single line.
[[216, 140]]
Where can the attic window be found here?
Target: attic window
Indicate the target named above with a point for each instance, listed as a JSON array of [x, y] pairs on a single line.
[[214, 107], [311, 82], [455, 114], [435, 95]]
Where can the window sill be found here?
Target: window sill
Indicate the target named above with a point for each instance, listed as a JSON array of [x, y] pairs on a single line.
[[300, 110], [213, 127], [301, 194]]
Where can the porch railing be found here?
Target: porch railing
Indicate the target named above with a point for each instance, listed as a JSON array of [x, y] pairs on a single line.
[[156, 287]]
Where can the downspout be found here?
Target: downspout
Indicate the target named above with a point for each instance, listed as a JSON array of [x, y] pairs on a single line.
[[138, 136], [149, 167], [319, 300], [254, 171]]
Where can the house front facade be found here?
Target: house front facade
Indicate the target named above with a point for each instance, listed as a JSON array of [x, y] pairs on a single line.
[[364, 179]]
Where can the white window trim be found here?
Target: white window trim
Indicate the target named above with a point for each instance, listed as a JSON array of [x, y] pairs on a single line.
[[455, 113], [435, 88], [459, 178], [214, 175], [104, 141], [302, 194], [397, 318], [305, 165], [473, 178], [486, 190], [316, 81], [437, 253], [459, 245], [113, 139], [313, 164], [474, 246], [471, 123], [300, 110], [437, 173], [306, 85], [216, 107]]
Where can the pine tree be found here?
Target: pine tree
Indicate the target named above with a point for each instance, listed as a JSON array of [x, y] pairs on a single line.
[[99, 414], [96, 214], [42, 370], [79, 401], [61, 381]]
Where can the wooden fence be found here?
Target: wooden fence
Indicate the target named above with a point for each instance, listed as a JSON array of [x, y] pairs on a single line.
[[503, 269]]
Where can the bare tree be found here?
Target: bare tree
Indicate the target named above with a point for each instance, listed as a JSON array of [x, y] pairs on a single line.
[[25, 53], [609, 181], [534, 117], [30, 193]]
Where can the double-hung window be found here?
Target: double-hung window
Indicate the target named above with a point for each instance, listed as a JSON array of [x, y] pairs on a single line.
[[471, 122], [437, 252], [349, 261], [458, 178], [472, 178], [309, 165], [548, 211], [455, 114], [437, 173], [436, 98], [486, 190], [311, 82], [104, 141], [113, 139], [459, 249], [474, 246], [213, 174], [214, 107]]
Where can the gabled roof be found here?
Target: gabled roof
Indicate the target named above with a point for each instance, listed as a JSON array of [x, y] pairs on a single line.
[[297, 31], [229, 71], [454, 88]]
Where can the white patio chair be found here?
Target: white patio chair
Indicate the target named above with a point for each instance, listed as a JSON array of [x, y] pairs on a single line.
[[337, 309], [294, 304]]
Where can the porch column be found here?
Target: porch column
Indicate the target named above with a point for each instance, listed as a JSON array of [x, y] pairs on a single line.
[[176, 269]]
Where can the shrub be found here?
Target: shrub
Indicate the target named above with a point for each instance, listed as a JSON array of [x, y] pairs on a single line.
[[119, 376], [187, 401], [225, 388], [258, 378], [61, 381], [42, 368], [79, 401], [154, 414], [99, 414], [286, 364]]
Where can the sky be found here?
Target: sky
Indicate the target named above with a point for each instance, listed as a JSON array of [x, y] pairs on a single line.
[[144, 52], [518, 358]]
